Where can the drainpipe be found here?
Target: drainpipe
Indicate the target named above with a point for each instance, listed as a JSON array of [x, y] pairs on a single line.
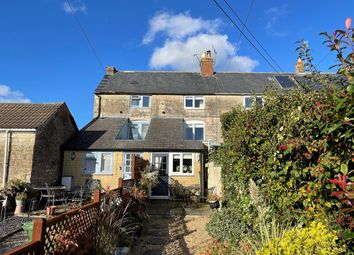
[[6, 150], [5, 162], [99, 107]]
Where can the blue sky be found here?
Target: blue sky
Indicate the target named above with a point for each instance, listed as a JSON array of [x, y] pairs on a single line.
[[44, 56]]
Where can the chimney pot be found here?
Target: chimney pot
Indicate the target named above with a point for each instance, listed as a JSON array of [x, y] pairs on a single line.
[[299, 67], [110, 70], [207, 64]]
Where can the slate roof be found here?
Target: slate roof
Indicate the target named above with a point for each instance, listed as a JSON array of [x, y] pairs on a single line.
[[164, 134], [27, 116], [184, 83]]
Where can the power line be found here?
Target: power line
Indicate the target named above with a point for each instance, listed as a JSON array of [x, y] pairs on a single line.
[[247, 16], [323, 59], [245, 26], [238, 28], [85, 35], [239, 38]]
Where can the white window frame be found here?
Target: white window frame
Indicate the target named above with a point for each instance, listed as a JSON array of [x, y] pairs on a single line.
[[141, 98], [124, 176], [194, 124], [194, 98], [98, 156], [140, 124], [180, 173], [244, 101]]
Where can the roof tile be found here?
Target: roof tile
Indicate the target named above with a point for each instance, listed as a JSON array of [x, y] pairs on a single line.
[[23, 115]]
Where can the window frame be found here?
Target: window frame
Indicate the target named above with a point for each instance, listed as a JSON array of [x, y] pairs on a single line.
[[193, 102], [194, 125], [139, 154], [246, 97], [98, 163], [181, 155], [140, 124], [141, 101]]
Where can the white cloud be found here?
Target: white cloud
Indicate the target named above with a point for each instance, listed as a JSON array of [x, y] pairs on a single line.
[[273, 15], [75, 6], [7, 95], [178, 26], [186, 36]]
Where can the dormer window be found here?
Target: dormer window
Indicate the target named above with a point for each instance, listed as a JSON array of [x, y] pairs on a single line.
[[194, 102], [140, 101], [139, 129], [194, 130], [134, 130]]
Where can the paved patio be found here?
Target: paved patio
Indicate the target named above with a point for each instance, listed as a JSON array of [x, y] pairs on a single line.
[[173, 229]]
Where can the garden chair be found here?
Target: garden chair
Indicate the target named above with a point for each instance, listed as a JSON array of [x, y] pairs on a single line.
[[52, 196], [90, 187], [82, 193], [59, 196], [3, 204], [46, 194], [76, 196]]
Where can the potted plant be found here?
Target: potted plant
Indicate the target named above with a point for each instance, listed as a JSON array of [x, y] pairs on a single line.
[[20, 201], [213, 200]]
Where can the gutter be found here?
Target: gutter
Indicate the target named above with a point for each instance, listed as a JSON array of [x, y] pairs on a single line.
[[6, 150]]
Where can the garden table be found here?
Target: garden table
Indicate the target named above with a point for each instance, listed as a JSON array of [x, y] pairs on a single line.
[[52, 193]]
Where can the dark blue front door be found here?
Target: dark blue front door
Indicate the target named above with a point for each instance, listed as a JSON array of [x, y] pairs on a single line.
[[160, 162]]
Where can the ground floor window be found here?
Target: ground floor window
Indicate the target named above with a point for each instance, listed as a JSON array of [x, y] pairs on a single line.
[[182, 163], [98, 162]]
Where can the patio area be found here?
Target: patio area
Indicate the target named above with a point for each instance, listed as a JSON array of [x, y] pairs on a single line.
[[173, 229], [12, 233]]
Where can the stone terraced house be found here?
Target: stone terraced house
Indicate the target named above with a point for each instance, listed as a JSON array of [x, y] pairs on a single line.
[[31, 136], [170, 119]]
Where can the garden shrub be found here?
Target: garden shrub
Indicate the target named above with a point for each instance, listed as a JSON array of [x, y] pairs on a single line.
[[313, 240], [222, 225], [120, 217], [292, 147]]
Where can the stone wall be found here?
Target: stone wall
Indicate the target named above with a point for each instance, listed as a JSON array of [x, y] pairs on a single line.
[[47, 157], [172, 106], [20, 155], [214, 178]]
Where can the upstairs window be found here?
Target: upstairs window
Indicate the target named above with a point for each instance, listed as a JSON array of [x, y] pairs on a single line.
[[194, 102], [139, 129], [98, 163], [140, 101], [194, 131], [250, 101]]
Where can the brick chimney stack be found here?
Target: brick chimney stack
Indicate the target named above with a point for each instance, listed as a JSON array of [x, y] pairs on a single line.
[[299, 67], [110, 70], [207, 65]]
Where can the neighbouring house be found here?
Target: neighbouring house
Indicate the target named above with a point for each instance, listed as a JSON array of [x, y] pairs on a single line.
[[171, 119], [31, 136]]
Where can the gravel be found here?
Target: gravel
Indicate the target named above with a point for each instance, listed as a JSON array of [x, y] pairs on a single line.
[[11, 233], [11, 225]]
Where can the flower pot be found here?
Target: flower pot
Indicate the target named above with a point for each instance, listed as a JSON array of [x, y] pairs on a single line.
[[28, 228], [50, 210], [214, 204], [53, 209], [19, 206]]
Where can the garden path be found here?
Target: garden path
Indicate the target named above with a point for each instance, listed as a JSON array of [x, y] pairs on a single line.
[[173, 230]]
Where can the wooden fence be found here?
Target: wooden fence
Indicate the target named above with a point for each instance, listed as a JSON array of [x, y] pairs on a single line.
[[73, 225]]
